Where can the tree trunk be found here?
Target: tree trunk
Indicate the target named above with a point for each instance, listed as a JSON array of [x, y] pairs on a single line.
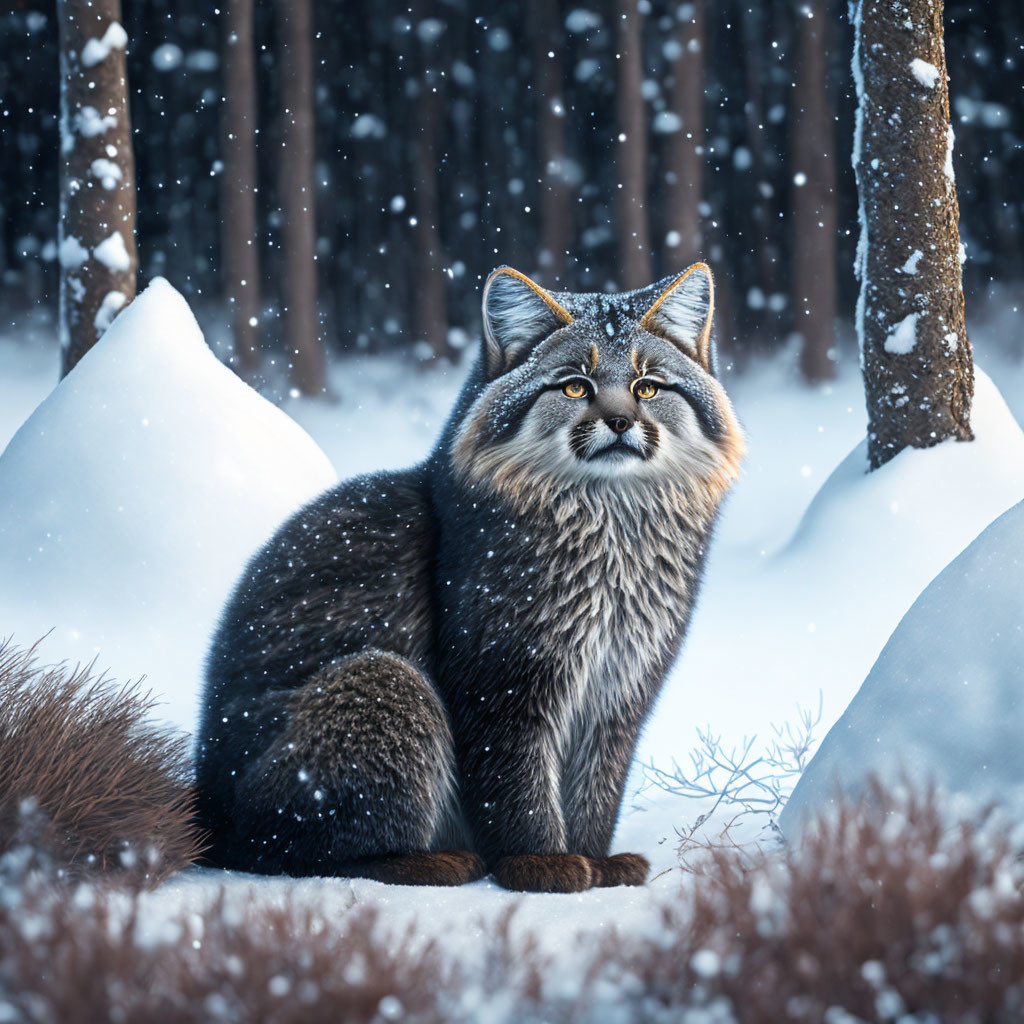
[[918, 371], [685, 175], [634, 237], [761, 267], [97, 184], [430, 303], [548, 84], [239, 234], [814, 199], [302, 329]]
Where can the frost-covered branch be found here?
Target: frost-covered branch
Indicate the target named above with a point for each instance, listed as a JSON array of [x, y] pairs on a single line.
[[742, 779]]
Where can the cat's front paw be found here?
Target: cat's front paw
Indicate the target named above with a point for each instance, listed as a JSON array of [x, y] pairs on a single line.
[[620, 869], [552, 872], [440, 867]]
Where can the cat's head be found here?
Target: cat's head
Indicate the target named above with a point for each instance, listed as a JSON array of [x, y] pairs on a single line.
[[598, 391]]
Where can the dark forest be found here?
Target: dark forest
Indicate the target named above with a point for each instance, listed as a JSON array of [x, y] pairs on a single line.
[[454, 137]]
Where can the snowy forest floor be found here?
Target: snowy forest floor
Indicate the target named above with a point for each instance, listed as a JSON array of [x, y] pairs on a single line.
[[385, 414]]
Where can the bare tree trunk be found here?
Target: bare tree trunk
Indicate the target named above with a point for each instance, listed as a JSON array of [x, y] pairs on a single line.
[[763, 235], [97, 187], [241, 264], [634, 237], [555, 212], [683, 241], [814, 199], [430, 296], [918, 370], [308, 370]]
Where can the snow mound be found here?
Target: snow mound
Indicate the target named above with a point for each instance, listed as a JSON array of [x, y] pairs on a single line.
[[944, 702], [812, 618], [132, 497]]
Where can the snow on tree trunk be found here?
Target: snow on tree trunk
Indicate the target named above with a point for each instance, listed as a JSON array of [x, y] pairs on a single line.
[[96, 230], [814, 198], [555, 211], [306, 353], [918, 371], [241, 265], [683, 240], [634, 239]]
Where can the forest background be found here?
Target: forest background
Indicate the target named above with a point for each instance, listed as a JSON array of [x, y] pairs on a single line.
[[594, 147]]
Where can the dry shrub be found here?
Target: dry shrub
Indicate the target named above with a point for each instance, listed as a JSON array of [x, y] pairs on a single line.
[[887, 911], [891, 909], [91, 953], [85, 778]]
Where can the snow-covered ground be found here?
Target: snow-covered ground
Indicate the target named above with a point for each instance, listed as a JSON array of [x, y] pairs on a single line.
[[944, 702], [813, 565]]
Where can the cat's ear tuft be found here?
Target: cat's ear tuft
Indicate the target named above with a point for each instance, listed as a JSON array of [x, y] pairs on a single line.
[[518, 314], [683, 314]]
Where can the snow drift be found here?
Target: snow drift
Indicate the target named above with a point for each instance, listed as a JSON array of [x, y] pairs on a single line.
[[132, 497], [777, 633], [814, 616], [944, 703]]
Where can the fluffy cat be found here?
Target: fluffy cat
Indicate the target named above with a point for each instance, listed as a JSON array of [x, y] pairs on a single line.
[[432, 674]]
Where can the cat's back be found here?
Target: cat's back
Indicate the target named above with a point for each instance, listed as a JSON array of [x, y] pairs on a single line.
[[352, 569]]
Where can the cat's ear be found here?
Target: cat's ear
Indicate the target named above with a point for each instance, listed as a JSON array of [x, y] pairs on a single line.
[[518, 313], [683, 314]]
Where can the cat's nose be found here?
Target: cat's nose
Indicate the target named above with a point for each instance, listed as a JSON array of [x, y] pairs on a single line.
[[620, 424]]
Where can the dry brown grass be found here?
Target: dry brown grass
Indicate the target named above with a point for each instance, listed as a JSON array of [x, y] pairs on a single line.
[[85, 777], [86, 956], [890, 910]]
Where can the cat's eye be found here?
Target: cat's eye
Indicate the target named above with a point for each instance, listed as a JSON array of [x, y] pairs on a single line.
[[645, 389], [574, 389]]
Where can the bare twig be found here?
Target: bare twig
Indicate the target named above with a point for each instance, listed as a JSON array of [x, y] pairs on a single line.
[[740, 779]]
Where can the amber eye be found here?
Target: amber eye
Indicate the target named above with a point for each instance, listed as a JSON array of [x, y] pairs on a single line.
[[574, 389], [645, 389]]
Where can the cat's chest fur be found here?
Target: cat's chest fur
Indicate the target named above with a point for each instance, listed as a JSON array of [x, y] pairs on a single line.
[[600, 590]]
